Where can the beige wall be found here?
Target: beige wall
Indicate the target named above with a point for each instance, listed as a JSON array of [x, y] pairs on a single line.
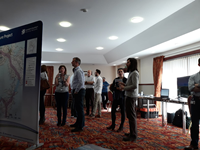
[[106, 71]]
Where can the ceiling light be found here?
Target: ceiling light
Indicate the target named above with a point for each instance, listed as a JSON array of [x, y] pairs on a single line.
[[59, 49], [99, 48], [61, 40], [113, 37], [4, 28], [124, 61], [136, 19], [136, 57], [153, 52], [65, 24], [114, 64]]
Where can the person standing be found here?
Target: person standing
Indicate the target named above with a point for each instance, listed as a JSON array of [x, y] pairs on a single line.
[[119, 99], [194, 87], [89, 96], [73, 110], [62, 82], [97, 96], [131, 93], [43, 76], [104, 94], [78, 94]]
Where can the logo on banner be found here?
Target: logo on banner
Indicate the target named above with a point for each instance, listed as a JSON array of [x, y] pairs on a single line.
[[23, 31], [29, 30]]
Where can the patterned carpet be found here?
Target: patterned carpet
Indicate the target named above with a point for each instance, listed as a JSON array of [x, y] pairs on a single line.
[[151, 135]]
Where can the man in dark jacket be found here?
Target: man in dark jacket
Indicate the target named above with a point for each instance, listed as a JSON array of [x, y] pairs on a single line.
[[118, 99]]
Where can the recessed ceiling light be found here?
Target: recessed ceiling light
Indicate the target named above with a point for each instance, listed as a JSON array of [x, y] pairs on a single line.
[[59, 49], [113, 37], [4, 28], [61, 40], [124, 61], [136, 19], [114, 64], [99, 48], [65, 24], [136, 57]]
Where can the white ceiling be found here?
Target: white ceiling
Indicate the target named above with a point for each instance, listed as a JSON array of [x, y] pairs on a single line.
[[103, 19]]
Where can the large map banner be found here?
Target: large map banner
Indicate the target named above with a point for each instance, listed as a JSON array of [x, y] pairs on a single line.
[[20, 61]]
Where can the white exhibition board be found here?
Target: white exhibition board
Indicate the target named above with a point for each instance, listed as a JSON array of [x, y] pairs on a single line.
[[20, 61]]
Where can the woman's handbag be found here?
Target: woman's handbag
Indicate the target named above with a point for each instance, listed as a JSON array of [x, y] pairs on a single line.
[[44, 84]]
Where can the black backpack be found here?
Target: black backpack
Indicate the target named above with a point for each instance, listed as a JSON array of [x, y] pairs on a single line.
[[178, 119]]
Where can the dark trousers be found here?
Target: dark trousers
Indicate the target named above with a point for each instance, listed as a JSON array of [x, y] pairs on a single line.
[[89, 97], [79, 98], [104, 95], [195, 116], [113, 111], [42, 107], [131, 115], [73, 110], [61, 101]]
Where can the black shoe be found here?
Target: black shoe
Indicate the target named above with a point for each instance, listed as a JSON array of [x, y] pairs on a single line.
[[111, 127], [191, 147], [129, 139], [73, 125], [77, 130], [120, 129], [58, 124], [62, 124], [127, 134]]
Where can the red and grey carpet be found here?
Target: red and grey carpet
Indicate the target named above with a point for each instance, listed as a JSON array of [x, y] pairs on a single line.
[[151, 135]]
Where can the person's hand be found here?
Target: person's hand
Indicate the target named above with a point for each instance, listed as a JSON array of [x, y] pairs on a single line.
[[121, 85], [58, 75]]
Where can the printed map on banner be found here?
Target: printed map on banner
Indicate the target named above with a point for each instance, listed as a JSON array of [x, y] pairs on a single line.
[[11, 68]]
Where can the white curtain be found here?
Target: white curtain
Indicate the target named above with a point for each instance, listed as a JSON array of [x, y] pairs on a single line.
[[193, 64], [173, 69]]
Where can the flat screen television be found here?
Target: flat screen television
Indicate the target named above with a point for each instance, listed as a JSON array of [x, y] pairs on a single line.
[[182, 85]]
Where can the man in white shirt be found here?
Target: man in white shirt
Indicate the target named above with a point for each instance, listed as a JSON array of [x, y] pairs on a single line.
[[89, 95], [97, 96]]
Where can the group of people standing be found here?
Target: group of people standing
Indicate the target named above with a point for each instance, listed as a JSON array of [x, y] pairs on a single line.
[[91, 88]]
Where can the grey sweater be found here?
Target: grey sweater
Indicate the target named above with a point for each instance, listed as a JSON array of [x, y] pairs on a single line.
[[131, 86]]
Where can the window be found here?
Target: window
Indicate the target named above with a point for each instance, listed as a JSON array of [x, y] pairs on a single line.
[[179, 67]]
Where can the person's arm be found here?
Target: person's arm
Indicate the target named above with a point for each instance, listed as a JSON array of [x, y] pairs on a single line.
[[98, 84], [67, 82], [134, 79], [80, 81], [107, 84], [192, 86]]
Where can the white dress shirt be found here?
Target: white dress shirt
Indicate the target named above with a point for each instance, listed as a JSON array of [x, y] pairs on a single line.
[[98, 85]]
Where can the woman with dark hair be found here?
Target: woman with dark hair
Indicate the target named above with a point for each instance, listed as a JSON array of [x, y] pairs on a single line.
[[43, 76], [131, 93], [62, 82]]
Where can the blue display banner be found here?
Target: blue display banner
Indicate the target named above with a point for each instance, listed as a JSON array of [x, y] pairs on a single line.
[[20, 61]]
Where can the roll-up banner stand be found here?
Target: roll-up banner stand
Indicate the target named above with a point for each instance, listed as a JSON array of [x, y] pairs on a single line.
[[20, 63]]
